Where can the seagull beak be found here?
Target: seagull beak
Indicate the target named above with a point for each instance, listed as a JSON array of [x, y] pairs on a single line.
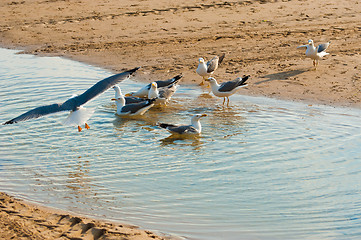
[[204, 115], [113, 99], [128, 94]]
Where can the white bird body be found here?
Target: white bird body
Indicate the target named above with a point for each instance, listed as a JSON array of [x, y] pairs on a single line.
[[193, 129], [162, 95], [227, 89], [132, 109], [206, 69], [315, 53]]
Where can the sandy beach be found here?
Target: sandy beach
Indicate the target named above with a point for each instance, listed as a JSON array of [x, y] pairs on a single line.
[[259, 38]]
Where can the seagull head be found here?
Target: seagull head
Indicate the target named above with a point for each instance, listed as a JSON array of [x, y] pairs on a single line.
[[211, 80], [201, 60], [198, 116], [154, 85], [310, 42], [118, 92]]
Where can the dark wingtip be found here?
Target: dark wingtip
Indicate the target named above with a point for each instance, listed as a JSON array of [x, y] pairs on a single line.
[[9, 122], [133, 70], [152, 100], [179, 76]]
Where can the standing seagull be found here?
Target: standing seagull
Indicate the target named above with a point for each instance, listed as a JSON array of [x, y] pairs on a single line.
[[315, 53], [226, 89], [143, 92], [205, 70], [78, 114], [194, 128], [131, 109], [163, 94]]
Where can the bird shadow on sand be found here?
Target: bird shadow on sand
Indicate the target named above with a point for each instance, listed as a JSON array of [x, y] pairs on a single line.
[[281, 75]]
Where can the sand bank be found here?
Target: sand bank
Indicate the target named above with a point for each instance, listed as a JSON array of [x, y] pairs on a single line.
[[166, 38]]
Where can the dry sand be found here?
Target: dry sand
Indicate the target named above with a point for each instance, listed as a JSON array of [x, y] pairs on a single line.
[[167, 37]]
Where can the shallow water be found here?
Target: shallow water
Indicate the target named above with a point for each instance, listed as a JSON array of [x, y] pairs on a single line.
[[262, 169]]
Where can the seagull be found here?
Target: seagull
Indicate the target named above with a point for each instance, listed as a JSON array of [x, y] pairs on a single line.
[[78, 114], [131, 109], [128, 100], [143, 92], [315, 53], [205, 70], [194, 128], [163, 94], [226, 89]]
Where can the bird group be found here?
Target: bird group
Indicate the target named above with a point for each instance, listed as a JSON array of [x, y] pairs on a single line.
[[155, 93]]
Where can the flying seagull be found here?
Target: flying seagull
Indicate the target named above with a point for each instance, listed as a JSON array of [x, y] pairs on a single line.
[[131, 109], [163, 94], [226, 89], [194, 128], [78, 114], [205, 70], [143, 92], [315, 53]]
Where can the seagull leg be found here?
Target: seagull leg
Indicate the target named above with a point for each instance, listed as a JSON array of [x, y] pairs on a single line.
[[202, 83], [227, 101], [87, 126], [79, 129], [224, 100]]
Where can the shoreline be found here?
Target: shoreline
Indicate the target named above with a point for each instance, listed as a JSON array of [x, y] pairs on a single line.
[[24, 219]]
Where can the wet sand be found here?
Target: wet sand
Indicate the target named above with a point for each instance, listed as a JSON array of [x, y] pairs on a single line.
[[167, 38]]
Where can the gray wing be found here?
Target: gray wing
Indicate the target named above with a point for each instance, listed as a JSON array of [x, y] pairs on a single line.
[[135, 107], [169, 81], [212, 64], [229, 86], [167, 92], [179, 129], [322, 47], [38, 112], [129, 100], [101, 87]]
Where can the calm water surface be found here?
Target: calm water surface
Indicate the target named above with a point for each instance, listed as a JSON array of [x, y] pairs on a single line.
[[262, 169]]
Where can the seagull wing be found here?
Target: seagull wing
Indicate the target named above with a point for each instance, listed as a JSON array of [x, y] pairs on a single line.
[[229, 86], [102, 86], [169, 81], [135, 107], [322, 47], [38, 112], [212, 64], [178, 129]]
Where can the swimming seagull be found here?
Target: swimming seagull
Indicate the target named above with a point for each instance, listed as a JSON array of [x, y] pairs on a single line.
[[143, 92], [194, 128], [205, 70], [128, 100], [78, 114], [163, 94], [131, 109], [226, 89], [315, 53]]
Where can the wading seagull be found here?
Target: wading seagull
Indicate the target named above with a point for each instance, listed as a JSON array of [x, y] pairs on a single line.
[[315, 53], [143, 92], [132, 109], [194, 128], [226, 89], [163, 94], [205, 70], [78, 114]]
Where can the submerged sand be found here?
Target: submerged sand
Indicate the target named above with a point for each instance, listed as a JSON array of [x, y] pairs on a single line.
[[167, 38]]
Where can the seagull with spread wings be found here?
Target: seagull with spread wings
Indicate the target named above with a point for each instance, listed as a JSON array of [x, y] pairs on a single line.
[[78, 114], [315, 53]]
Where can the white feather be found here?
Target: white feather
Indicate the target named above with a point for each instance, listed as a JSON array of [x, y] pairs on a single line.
[[79, 117]]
